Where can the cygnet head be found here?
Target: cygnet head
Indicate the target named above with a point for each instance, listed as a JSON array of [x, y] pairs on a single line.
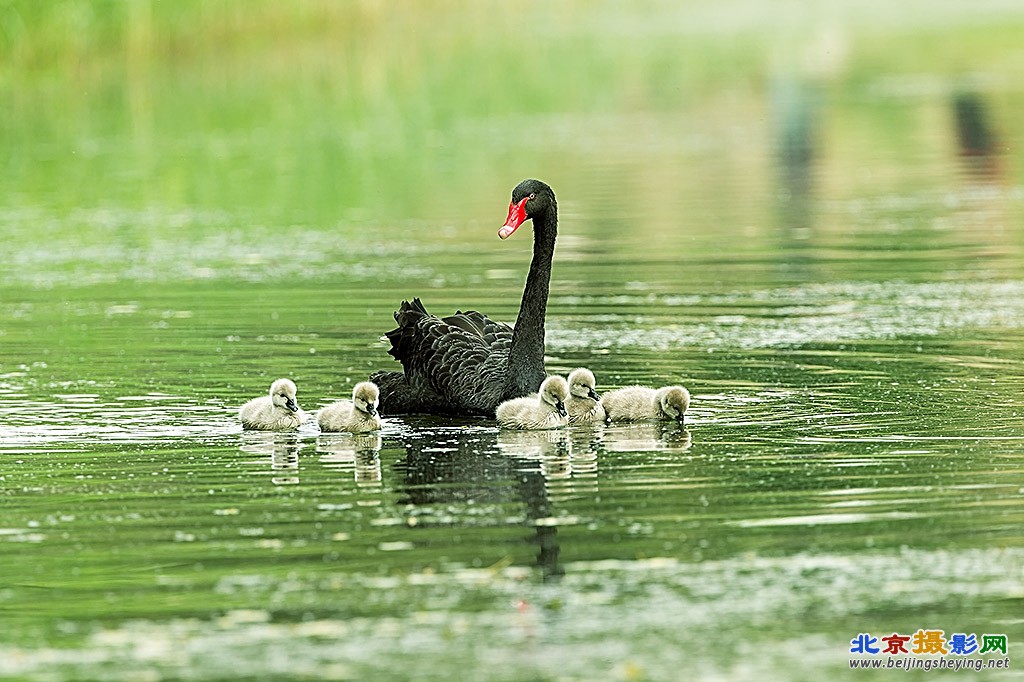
[[673, 401], [554, 391], [282, 394], [365, 396], [582, 384]]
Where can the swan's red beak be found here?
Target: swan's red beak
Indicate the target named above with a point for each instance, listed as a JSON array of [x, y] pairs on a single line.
[[516, 217]]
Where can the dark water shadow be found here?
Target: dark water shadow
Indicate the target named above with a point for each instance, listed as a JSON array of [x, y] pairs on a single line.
[[473, 465], [977, 141], [464, 465]]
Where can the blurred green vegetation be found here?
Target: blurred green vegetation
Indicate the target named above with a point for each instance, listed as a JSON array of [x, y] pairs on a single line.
[[338, 113], [81, 41]]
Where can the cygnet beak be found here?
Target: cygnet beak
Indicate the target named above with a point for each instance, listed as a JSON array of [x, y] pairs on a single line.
[[681, 418], [371, 410], [291, 404], [594, 395], [560, 406]]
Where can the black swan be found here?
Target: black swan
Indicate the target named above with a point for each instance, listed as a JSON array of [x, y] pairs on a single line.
[[467, 363]]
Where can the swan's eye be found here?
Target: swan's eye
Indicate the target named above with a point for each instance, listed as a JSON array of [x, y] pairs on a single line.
[[533, 195]]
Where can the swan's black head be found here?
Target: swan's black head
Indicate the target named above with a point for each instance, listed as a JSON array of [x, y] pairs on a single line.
[[530, 199]]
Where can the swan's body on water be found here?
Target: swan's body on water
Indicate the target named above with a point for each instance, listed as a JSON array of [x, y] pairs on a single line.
[[278, 411]]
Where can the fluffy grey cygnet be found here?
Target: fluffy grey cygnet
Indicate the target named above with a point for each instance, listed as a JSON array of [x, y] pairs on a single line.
[[640, 403], [584, 404], [543, 410], [358, 415], [275, 412]]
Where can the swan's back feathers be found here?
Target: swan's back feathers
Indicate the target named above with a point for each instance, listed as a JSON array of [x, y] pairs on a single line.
[[453, 365], [403, 338], [497, 335], [398, 397]]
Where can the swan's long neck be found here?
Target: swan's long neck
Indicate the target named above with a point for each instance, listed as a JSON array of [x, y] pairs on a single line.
[[526, 357]]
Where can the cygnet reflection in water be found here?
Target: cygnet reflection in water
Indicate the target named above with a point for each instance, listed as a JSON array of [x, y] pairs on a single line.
[[646, 438], [358, 453], [283, 450]]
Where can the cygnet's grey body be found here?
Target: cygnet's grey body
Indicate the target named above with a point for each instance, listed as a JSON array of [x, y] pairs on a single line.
[[640, 403], [584, 404], [278, 411], [543, 410], [358, 415]]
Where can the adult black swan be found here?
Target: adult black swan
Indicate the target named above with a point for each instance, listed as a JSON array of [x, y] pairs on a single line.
[[468, 363]]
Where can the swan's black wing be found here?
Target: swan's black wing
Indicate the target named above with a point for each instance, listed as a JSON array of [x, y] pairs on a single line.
[[397, 396], [450, 365], [497, 335]]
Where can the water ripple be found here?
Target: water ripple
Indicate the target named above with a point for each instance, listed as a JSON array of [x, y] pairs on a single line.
[[793, 316]]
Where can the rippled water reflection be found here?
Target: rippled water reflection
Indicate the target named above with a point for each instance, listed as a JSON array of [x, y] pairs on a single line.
[[803, 509]]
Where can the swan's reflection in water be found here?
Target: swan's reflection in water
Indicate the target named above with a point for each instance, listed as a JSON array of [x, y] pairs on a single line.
[[471, 468], [452, 474], [548, 450], [534, 445], [585, 442], [468, 467], [567, 458], [358, 454], [283, 450], [542, 461]]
